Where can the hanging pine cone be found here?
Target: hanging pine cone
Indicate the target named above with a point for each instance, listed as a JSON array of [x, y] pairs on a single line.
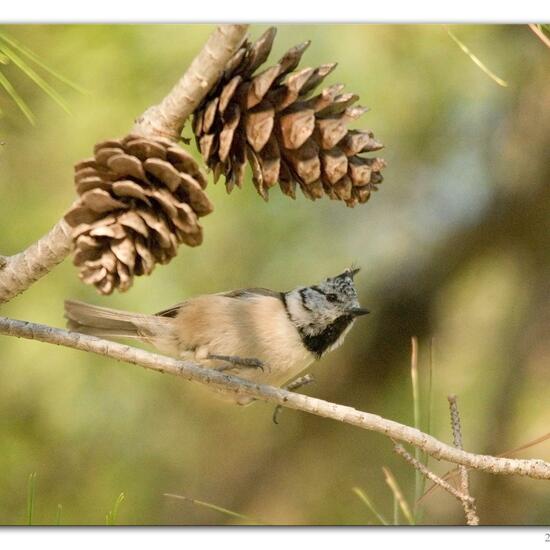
[[287, 137], [139, 199]]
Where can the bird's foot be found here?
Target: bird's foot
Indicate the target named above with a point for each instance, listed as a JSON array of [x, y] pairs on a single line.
[[234, 361]]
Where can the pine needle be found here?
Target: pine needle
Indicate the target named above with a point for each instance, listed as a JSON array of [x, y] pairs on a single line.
[[19, 101], [35, 77], [476, 60], [220, 509], [363, 497], [35, 59]]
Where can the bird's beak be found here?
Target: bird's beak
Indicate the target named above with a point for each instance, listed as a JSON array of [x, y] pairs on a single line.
[[358, 311]]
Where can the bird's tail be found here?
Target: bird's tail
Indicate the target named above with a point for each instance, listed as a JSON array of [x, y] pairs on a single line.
[[111, 323]]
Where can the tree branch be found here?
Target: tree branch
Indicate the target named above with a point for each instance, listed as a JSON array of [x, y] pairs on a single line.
[[19, 272], [533, 468], [168, 117]]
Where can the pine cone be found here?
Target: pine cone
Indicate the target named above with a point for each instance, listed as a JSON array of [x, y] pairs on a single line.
[[140, 198], [287, 136]]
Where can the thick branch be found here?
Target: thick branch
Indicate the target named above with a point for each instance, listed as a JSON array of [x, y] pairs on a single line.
[[168, 117], [20, 271], [532, 468]]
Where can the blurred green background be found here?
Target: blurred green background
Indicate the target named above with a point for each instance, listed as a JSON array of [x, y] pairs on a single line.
[[454, 247]]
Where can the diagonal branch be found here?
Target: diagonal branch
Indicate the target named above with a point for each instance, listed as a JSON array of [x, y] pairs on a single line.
[[19, 272], [533, 468], [464, 498], [168, 117]]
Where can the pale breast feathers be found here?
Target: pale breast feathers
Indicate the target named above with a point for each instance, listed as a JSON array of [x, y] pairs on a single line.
[[249, 323]]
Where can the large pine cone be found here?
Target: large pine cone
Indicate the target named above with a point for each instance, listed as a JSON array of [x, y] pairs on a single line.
[[287, 137], [139, 199]]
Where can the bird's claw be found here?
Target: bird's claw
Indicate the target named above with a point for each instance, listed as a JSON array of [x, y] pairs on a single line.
[[234, 362]]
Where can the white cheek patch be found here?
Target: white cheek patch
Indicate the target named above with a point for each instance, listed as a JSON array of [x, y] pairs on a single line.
[[298, 314]]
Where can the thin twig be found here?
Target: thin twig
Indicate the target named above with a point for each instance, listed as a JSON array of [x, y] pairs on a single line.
[[452, 474], [534, 468], [469, 505], [465, 499], [293, 386], [457, 439]]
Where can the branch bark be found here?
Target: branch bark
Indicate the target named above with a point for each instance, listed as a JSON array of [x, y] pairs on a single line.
[[468, 503], [465, 499], [168, 117], [19, 272], [533, 468]]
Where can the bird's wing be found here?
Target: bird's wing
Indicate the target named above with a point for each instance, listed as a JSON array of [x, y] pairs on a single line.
[[240, 294], [171, 311], [245, 293]]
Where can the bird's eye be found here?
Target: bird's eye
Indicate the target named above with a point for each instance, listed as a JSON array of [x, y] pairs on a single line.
[[332, 297]]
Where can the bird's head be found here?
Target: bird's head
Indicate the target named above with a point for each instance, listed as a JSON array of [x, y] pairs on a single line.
[[315, 308]]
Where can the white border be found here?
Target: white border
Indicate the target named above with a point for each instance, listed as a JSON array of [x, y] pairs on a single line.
[[213, 11]]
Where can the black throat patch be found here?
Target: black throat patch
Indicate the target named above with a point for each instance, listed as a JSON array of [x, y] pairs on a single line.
[[319, 343]]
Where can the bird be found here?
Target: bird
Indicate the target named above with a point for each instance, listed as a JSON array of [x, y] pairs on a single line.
[[258, 334]]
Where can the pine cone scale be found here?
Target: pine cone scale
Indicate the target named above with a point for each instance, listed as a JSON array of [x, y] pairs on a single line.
[[139, 198], [269, 121]]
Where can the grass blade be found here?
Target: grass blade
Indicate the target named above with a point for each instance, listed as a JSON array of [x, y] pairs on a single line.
[[476, 60], [220, 509], [19, 101], [58, 514], [35, 77], [30, 497], [363, 497], [537, 29], [395, 511], [35, 59], [111, 517], [419, 479], [398, 495]]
